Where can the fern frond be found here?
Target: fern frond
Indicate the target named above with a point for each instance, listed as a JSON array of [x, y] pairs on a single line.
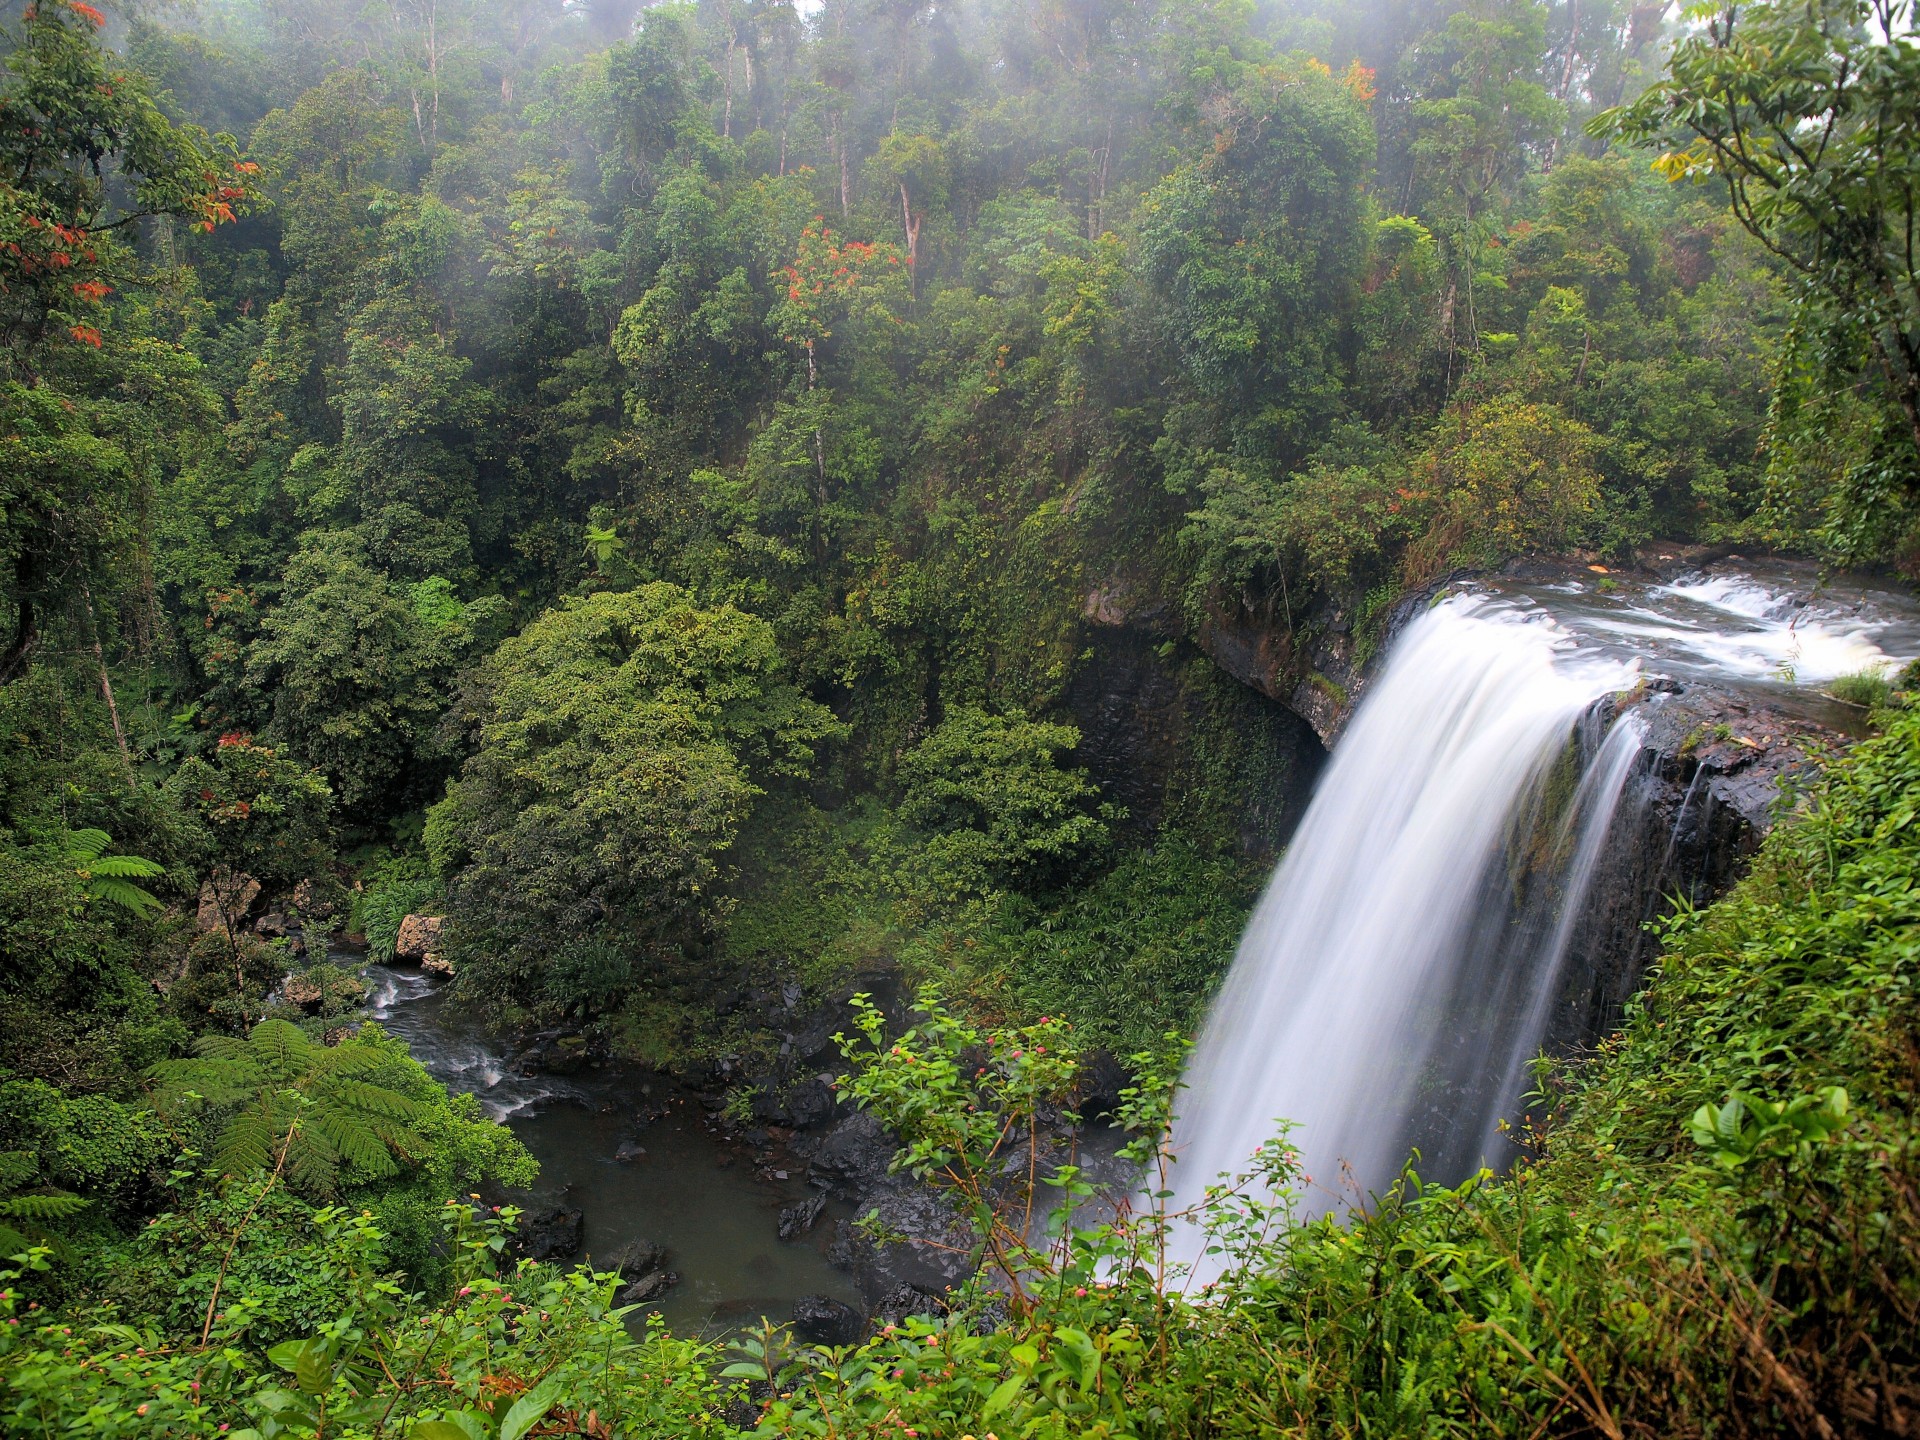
[[57, 1205], [12, 1242], [353, 1139], [372, 1099], [399, 1139], [248, 1142], [86, 846], [217, 1081], [350, 1059], [123, 893], [280, 1049], [132, 867], [313, 1165]]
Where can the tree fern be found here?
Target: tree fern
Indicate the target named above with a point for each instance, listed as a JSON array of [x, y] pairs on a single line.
[[23, 1220], [283, 1102], [110, 878]]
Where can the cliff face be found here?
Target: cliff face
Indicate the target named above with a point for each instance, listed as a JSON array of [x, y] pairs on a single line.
[[1174, 737]]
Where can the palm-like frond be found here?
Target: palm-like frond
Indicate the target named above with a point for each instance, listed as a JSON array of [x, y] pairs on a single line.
[[23, 1220], [54, 1205], [86, 846], [109, 877], [281, 1050], [294, 1105]]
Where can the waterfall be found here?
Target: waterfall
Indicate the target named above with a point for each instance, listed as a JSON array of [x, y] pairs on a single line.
[[1399, 970]]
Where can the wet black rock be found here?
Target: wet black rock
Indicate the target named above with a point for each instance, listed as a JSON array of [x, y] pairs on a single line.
[[629, 1151], [905, 1301], [797, 1220], [637, 1258], [928, 1248], [551, 1234], [821, 1321], [647, 1288], [854, 1154], [1100, 1085], [810, 1103]]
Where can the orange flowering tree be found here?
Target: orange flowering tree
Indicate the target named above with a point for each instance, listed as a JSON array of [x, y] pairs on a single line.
[[71, 121], [827, 276]]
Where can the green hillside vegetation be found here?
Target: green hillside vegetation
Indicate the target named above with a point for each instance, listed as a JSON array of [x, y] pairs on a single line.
[[669, 489]]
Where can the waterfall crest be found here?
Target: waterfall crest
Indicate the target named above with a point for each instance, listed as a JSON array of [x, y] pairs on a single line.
[[1396, 974]]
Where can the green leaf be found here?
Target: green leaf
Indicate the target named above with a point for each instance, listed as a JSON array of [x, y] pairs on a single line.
[[528, 1410], [1003, 1395], [438, 1430]]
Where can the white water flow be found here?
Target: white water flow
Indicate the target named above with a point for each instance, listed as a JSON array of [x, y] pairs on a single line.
[[1396, 975]]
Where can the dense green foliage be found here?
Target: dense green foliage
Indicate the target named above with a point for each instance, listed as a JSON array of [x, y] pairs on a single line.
[[686, 494]]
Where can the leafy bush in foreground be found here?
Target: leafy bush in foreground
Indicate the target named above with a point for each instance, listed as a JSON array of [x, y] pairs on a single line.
[[1712, 1236]]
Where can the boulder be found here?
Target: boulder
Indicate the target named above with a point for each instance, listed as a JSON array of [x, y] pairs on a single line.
[[904, 1301], [434, 963], [630, 1151], [225, 899], [647, 1288], [797, 1220], [311, 901], [419, 937], [856, 1153], [637, 1258], [273, 925], [930, 1252], [810, 1103], [551, 1234], [302, 990], [823, 1321]]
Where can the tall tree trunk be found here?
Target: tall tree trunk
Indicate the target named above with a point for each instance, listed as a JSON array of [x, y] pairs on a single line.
[[106, 686], [840, 153], [912, 224]]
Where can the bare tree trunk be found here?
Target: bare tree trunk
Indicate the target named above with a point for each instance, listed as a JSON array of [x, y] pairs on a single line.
[[912, 224], [106, 685], [840, 153], [433, 71]]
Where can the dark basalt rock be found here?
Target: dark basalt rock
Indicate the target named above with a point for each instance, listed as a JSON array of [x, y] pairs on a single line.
[[853, 1155], [821, 1321], [904, 1301], [551, 1234], [809, 1103], [637, 1258], [630, 1151], [931, 1253], [797, 1220], [647, 1288]]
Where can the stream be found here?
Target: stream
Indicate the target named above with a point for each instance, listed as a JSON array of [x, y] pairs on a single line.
[[694, 1191]]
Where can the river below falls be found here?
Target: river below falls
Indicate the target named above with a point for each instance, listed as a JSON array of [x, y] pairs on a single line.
[[694, 1191]]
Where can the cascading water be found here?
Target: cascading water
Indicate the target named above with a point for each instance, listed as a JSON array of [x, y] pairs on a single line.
[[1395, 977]]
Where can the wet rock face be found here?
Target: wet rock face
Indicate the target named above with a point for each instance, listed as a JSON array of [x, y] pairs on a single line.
[[551, 1234], [637, 1258], [1714, 768], [903, 1302], [822, 1321], [1150, 712], [647, 1288], [797, 1220]]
